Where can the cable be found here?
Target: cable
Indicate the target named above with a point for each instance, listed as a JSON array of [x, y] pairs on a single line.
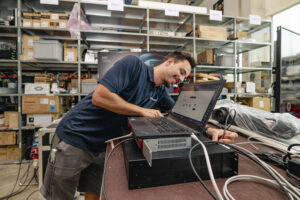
[[252, 178], [211, 175], [31, 194], [200, 180], [105, 164], [227, 126], [277, 177], [288, 155]]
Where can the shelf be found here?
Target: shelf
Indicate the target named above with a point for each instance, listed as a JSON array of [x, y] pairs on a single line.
[[252, 94], [252, 69], [9, 95], [49, 33], [243, 46], [215, 69], [243, 24], [203, 44]]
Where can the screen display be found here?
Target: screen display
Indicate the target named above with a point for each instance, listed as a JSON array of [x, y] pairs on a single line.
[[194, 100]]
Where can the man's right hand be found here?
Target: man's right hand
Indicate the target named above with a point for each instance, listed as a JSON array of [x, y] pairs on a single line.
[[146, 112]]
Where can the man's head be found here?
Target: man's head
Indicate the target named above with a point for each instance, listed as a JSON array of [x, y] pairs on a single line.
[[175, 67]]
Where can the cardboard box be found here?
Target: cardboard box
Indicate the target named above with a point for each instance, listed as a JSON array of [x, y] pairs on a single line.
[[207, 57], [27, 19], [239, 35], [37, 88], [41, 105], [36, 20], [74, 83], [41, 78], [262, 103], [11, 119], [45, 19], [54, 23], [8, 138], [41, 120], [12, 152], [27, 41], [70, 54], [63, 20], [54, 16], [211, 32], [3, 153]]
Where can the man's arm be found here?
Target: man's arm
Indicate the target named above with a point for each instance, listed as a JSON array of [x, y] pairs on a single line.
[[104, 98]]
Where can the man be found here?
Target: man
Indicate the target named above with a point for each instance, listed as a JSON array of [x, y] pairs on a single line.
[[129, 88]]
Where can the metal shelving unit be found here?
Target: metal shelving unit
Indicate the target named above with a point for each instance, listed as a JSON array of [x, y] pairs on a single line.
[[134, 28]]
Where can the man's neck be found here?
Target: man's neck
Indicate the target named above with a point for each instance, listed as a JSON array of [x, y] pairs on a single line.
[[158, 75]]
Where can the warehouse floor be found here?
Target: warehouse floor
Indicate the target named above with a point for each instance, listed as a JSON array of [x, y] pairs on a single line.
[[8, 176]]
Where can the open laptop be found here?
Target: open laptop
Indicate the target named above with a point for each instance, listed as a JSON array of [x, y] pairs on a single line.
[[189, 115]]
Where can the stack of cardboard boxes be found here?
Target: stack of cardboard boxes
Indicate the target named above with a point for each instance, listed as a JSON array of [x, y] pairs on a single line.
[[41, 110], [27, 47], [8, 139], [45, 20]]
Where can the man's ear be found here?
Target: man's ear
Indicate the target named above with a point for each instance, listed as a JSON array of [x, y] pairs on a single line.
[[169, 61]]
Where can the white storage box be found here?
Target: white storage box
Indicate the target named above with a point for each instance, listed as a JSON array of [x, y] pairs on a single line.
[[48, 50], [42, 120], [37, 88], [225, 60]]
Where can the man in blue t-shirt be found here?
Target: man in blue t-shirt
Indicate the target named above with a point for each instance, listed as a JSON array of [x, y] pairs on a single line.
[[129, 88]]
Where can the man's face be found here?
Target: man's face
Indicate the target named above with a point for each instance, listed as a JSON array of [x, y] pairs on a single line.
[[176, 72]]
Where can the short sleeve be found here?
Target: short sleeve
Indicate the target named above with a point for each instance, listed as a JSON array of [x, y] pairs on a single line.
[[124, 72]]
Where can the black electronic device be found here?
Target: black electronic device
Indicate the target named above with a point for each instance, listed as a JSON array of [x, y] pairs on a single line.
[[173, 167]]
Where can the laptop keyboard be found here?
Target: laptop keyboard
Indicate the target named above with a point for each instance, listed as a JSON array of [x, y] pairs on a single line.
[[164, 125]]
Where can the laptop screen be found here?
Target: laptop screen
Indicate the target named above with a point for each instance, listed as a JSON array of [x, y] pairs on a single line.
[[196, 100]]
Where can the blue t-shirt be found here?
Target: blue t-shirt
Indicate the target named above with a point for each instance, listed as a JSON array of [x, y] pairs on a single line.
[[87, 126]]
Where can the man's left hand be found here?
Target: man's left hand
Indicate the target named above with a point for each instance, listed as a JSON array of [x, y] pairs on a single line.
[[216, 135]]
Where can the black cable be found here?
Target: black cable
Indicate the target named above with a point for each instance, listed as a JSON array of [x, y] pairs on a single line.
[[12, 193], [288, 155], [31, 194], [105, 163], [275, 178], [19, 170], [200, 180]]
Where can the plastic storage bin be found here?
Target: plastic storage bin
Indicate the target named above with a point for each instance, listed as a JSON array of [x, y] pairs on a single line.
[[88, 87], [48, 50]]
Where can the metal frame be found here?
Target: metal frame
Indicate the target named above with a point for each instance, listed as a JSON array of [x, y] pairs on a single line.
[[143, 26]]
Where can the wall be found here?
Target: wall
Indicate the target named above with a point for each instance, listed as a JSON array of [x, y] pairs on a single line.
[[275, 6]]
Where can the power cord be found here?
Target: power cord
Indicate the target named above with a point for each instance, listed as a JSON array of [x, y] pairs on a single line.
[[195, 172], [105, 164], [211, 175]]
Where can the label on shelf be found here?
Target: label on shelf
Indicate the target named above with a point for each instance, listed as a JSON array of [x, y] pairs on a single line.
[[52, 2], [117, 5], [172, 10], [215, 15], [255, 19]]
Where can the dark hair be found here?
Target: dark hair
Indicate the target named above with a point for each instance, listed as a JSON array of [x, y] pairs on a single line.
[[179, 56]]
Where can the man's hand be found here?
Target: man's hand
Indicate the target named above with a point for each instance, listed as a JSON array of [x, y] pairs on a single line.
[[146, 112], [215, 134]]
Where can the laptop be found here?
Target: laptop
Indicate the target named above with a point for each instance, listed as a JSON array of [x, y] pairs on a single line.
[[189, 114]]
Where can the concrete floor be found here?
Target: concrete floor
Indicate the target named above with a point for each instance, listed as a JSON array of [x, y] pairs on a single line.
[[8, 176]]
